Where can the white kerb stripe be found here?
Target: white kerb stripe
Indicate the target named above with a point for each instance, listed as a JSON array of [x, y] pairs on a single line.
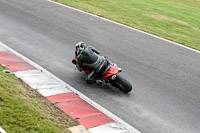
[[88, 100]]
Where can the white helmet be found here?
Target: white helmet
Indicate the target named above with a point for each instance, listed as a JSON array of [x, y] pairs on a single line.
[[79, 47]]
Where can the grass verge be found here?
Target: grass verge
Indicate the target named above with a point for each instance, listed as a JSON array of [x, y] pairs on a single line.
[[176, 20], [23, 110]]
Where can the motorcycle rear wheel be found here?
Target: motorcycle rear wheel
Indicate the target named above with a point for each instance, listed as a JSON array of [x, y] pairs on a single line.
[[121, 83]]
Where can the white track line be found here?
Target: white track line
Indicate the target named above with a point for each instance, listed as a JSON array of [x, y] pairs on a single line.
[[99, 107], [2, 130], [124, 26]]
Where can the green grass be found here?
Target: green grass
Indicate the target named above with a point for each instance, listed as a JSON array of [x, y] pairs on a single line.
[[177, 20], [23, 110]]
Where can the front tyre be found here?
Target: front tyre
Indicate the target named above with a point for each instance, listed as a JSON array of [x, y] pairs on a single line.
[[121, 83]]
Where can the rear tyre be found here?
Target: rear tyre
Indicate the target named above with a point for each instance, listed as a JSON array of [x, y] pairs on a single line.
[[121, 83]]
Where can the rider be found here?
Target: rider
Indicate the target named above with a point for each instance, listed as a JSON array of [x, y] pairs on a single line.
[[90, 56]]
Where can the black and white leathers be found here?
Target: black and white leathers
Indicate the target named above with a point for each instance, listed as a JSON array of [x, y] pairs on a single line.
[[90, 56]]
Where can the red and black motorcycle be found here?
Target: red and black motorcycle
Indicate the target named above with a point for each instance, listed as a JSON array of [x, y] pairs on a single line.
[[110, 76]]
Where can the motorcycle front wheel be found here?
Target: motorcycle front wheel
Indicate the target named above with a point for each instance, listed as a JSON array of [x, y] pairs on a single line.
[[121, 83]]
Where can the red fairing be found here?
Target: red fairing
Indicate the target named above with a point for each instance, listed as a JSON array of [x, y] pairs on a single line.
[[112, 71], [74, 60]]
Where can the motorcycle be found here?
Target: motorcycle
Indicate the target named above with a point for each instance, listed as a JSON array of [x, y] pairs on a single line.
[[109, 76]]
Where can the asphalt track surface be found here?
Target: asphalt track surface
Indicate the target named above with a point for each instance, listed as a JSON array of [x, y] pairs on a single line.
[[165, 77]]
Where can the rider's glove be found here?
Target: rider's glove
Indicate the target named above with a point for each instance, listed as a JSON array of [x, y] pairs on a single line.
[[80, 69]]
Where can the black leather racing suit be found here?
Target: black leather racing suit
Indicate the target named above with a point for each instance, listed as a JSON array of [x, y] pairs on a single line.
[[90, 56]]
